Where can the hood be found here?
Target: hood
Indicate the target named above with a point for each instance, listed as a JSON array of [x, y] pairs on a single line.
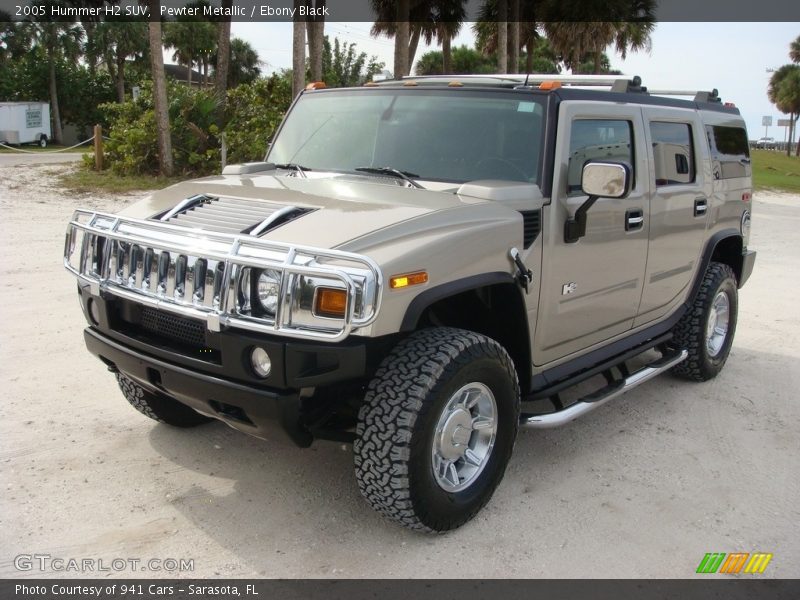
[[333, 210]]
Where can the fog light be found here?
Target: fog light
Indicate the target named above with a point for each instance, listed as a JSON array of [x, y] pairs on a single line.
[[262, 365], [94, 311]]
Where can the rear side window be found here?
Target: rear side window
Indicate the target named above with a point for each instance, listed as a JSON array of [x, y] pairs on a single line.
[[730, 153], [673, 153], [597, 139]]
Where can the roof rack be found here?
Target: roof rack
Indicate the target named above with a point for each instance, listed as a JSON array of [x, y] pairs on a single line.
[[615, 83]]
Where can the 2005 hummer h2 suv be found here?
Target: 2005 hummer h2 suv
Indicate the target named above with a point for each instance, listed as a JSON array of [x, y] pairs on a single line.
[[423, 267]]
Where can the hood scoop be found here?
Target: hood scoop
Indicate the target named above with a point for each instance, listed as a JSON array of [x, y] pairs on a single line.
[[230, 215]]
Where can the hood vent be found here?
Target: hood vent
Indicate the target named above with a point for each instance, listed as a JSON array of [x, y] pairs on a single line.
[[231, 215]]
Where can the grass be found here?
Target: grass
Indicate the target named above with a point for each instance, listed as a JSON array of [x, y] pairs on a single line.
[[773, 170], [82, 180]]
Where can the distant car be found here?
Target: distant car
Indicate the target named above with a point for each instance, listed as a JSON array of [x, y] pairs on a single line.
[[767, 143]]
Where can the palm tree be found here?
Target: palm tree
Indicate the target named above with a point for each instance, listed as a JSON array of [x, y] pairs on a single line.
[[450, 15], [784, 92], [794, 50], [120, 40], [585, 28], [193, 40], [161, 108], [408, 21], [60, 41], [298, 52], [244, 63], [315, 30], [502, 36], [486, 31], [222, 58]]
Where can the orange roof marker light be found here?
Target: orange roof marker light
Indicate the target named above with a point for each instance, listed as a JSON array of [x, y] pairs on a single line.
[[549, 85], [370, 84], [316, 85], [397, 282], [410, 84], [455, 84]]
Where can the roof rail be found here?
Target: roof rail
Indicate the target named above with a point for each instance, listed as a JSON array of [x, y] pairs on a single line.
[[615, 83]]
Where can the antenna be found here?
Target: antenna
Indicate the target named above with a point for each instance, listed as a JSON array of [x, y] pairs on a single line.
[[526, 80]]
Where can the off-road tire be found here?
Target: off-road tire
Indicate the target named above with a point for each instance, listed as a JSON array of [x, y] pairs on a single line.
[[690, 332], [397, 421], [157, 407]]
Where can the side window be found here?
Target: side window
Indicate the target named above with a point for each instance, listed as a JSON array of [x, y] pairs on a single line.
[[598, 139], [673, 153], [730, 152]]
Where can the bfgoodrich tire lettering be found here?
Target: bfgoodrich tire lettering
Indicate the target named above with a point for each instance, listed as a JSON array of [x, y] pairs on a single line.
[[396, 426], [691, 332], [159, 408]]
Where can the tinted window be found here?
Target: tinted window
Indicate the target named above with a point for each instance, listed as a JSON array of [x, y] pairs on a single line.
[[437, 135], [730, 153], [597, 139], [673, 153]]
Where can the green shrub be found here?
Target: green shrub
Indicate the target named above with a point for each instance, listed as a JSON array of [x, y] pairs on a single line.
[[252, 114]]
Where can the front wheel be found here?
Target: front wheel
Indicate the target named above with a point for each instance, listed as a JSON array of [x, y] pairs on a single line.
[[437, 428], [706, 330]]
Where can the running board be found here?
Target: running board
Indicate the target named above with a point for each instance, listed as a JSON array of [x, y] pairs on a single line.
[[600, 397]]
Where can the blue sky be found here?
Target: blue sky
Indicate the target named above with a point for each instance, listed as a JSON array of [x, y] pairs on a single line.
[[732, 57]]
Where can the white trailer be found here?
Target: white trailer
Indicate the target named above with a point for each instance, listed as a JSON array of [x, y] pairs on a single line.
[[25, 123]]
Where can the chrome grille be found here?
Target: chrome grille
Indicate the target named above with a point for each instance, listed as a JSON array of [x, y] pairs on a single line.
[[179, 329], [196, 274]]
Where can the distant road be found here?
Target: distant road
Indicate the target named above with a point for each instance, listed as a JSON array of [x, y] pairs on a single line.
[[10, 159]]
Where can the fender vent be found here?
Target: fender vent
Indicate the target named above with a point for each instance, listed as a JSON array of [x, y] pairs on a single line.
[[531, 226], [231, 215]]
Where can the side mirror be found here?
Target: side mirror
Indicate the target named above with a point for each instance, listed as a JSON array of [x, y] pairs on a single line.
[[599, 179], [606, 179]]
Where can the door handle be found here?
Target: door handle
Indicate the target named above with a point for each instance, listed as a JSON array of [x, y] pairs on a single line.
[[634, 219], [700, 207]]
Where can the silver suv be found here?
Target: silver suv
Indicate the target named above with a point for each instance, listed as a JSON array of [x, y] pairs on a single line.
[[422, 267]]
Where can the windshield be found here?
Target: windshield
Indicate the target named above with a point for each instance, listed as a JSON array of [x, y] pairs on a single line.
[[439, 135]]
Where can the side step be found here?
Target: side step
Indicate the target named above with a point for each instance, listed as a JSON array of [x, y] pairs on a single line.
[[600, 397]]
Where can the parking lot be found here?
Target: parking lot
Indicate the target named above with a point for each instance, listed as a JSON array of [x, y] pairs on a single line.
[[642, 487]]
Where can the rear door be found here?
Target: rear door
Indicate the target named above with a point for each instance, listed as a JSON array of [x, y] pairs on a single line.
[[591, 289], [680, 181]]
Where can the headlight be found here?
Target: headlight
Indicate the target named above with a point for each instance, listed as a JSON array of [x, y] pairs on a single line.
[[269, 290]]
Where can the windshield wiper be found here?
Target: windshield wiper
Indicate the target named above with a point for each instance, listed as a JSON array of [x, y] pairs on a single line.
[[299, 169], [405, 175]]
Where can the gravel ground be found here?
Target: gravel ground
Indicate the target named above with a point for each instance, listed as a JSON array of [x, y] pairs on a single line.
[[642, 487]]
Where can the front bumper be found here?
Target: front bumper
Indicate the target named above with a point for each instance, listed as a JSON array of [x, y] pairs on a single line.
[[260, 412]]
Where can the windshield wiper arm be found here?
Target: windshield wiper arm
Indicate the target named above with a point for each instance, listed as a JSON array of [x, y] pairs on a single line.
[[405, 175], [299, 169]]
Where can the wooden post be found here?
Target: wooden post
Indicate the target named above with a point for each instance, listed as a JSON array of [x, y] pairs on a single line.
[[98, 148]]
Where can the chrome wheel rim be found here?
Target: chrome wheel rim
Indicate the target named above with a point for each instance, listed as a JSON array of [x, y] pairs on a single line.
[[718, 323], [464, 437]]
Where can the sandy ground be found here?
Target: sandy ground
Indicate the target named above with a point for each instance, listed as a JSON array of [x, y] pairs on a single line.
[[642, 487]]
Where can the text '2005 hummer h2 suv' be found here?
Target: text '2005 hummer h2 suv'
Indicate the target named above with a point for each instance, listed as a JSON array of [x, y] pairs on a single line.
[[423, 267]]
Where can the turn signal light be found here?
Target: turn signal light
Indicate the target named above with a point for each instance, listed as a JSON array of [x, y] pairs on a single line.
[[746, 197], [401, 281], [330, 302], [549, 85]]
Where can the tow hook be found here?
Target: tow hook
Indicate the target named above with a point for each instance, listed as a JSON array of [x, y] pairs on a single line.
[[524, 274]]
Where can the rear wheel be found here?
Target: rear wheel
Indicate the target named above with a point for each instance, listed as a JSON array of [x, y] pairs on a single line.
[[157, 407], [706, 331], [437, 428], [43, 141]]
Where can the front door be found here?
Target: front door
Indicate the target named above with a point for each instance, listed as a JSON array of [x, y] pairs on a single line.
[[591, 289]]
